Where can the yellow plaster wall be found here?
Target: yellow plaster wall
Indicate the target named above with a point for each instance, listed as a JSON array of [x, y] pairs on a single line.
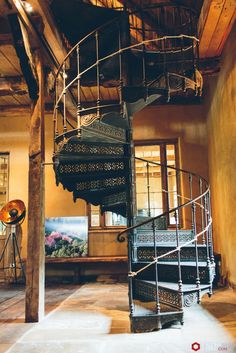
[[14, 138], [221, 123], [185, 123]]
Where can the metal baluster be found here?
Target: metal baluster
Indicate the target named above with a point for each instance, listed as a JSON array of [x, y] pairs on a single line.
[[55, 119], [148, 190], [207, 243], [210, 228], [158, 306], [98, 75], [180, 283], [202, 211], [144, 57], [190, 185], [130, 278], [166, 73], [182, 63], [194, 225], [64, 98], [194, 65], [121, 75], [178, 196], [78, 92], [207, 231]]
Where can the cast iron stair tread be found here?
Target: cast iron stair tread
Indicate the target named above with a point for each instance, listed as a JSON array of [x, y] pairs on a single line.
[[164, 231], [167, 245], [174, 286], [149, 321], [175, 263], [75, 145], [89, 158], [132, 94], [90, 176], [142, 308], [132, 108]]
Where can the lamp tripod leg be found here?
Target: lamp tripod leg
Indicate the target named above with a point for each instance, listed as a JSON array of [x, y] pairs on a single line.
[[18, 253], [4, 248], [14, 256]]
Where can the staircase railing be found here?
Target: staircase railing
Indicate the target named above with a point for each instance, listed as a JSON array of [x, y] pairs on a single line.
[[196, 203], [91, 79]]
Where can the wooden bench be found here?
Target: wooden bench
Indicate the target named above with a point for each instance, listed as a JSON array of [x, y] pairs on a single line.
[[83, 260]]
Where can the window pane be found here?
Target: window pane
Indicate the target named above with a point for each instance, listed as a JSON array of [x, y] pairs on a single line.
[[113, 219], [4, 175], [172, 183], [95, 216], [148, 178]]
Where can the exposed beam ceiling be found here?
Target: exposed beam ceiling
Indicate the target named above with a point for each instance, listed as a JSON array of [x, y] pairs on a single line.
[[50, 39], [12, 85], [50, 29], [216, 21]]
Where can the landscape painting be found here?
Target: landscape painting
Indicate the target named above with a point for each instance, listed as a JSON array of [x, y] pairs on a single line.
[[66, 237]]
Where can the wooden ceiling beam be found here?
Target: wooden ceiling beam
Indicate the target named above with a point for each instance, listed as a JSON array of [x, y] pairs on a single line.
[[215, 22], [12, 85], [47, 38], [50, 32], [223, 28]]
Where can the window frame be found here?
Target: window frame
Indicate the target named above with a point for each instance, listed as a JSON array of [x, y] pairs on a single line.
[[102, 221], [7, 186], [165, 200], [163, 160]]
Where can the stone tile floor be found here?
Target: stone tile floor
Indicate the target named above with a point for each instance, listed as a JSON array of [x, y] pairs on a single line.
[[95, 319]]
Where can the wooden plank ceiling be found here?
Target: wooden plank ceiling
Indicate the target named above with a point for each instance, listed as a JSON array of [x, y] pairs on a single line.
[[216, 19]]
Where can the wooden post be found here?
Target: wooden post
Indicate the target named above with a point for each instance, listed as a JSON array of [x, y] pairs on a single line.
[[35, 278]]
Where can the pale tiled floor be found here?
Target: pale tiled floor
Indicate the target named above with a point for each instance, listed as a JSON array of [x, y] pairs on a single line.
[[94, 319]]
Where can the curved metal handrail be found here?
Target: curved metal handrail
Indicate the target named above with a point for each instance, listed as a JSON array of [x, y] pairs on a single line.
[[183, 45], [174, 168], [122, 50], [120, 236], [114, 20], [152, 219], [178, 248]]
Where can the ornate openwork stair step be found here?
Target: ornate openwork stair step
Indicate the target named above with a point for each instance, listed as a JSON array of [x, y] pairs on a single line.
[[75, 146], [147, 321], [135, 106], [101, 131], [145, 253], [169, 293], [115, 202], [160, 223], [145, 236], [168, 271], [133, 94]]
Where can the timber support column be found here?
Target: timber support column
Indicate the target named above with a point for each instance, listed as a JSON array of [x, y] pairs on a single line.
[[35, 272]]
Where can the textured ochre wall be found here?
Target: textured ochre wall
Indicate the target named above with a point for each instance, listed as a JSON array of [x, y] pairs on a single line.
[[221, 123], [185, 123], [14, 137]]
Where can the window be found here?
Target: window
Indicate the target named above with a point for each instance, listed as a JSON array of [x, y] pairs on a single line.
[[108, 219], [4, 178], [156, 186]]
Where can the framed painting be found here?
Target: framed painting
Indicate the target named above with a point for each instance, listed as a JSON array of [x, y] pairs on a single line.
[[66, 237]]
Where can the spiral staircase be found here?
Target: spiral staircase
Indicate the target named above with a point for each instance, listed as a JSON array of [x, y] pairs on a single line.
[[170, 265]]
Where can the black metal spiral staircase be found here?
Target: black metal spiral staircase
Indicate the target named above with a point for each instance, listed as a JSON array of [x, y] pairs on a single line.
[[169, 267]]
